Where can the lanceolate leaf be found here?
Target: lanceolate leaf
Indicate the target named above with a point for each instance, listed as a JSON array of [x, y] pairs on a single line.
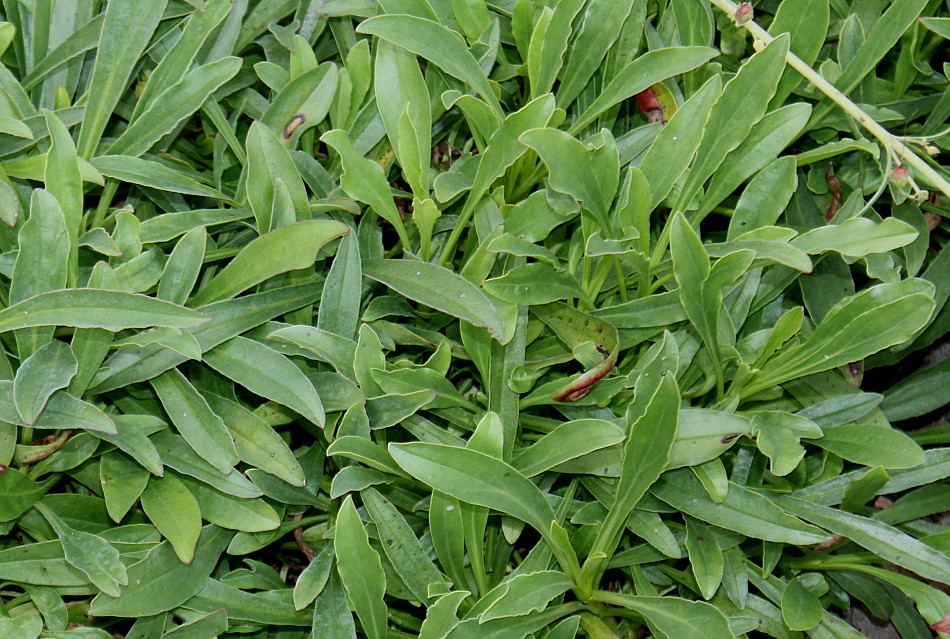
[[266, 372], [361, 570], [743, 510], [125, 33], [483, 480], [94, 308], [284, 249], [435, 43], [161, 582], [202, 429], [856, 327], [440, 289]]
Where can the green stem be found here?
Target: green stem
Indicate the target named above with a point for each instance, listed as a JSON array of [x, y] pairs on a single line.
[[890, 142], [621, 281], [99, 216]]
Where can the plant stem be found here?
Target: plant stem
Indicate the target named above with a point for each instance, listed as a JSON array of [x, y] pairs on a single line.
[[890, 142], [99, 217]]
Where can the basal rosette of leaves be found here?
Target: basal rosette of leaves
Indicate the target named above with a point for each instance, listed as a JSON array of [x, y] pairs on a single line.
[[348, 318]]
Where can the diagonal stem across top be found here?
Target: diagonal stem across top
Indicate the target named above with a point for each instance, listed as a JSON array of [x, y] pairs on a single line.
[[892, 145]]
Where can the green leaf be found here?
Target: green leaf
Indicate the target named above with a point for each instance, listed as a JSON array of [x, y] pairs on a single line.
[[858, 326], [178, 455], [402, 98], [770, 135], [439, 288], [521, 594], [872, 445], [189, 412], [533, 284], [227, 511], [9, 126], [64, 182], [62, 411], [287, 248], [919, 393], [256, 442], [264, 371], [748, 93], [674, 147], [228, 318], [41, 263], [314, 578], [83, 39], [441, 617], [504, 147], [183, 267], [161, 582], [210, 625], [152, 174], [339, 310], [364, 180], [126, 31], [778, 435], [475, 478], [649, 69], [274, 607], [602, 22], [705, 557], [885, 541], [940, 26], [703, 434], [857, 237], [20, 493], [40, 375], [646, 452], [674, 617], [880, 39], [764, 198], [93, 308], [548, 44], [89, 553], [168, 226], [361, 570], [433, 42], [801, 609], [570, 168], [404, 551], [331, 612], [175, 512], [24, 626], [179, 58], [42, 563], [122, 483], [807, 22], [320, 345], [568, 441], [743, 510], [267, 159], [303, 103], [173, 106]]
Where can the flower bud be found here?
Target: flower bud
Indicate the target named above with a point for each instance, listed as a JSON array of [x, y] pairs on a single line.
[[899, 176], [743, 12], [932, 149]]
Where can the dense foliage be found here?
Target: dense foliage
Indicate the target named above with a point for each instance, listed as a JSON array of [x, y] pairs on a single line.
[[471, 319]]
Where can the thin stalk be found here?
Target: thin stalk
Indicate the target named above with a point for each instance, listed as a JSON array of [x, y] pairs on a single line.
[[621, 281], [891, 143], [99, 216]]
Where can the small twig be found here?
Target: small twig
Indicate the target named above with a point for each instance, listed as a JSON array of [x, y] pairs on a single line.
[[891, 143], [305, 548]]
